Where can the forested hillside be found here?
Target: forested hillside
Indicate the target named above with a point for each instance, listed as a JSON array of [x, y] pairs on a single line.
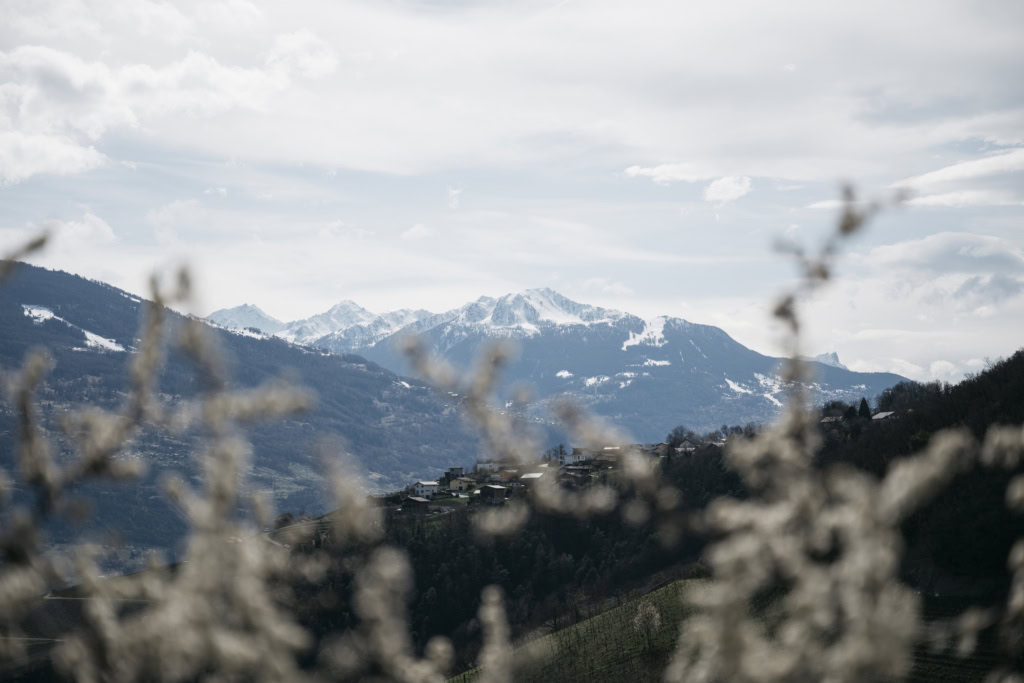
[[558, 569]]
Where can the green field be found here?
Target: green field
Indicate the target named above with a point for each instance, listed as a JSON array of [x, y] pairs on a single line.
[[609, 646], [613, 647]]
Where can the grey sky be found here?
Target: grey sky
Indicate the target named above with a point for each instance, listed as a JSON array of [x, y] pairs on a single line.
[[640, 155]]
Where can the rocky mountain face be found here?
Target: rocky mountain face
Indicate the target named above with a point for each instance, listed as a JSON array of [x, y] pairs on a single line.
[[644, 375]]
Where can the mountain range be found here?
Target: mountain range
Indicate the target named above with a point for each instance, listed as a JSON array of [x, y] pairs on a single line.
[[644, 375]]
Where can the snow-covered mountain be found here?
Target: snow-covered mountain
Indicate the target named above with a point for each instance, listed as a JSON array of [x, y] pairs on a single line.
[[345, 326], [339, 317], [645, 375], [361, 335], [830, 359], [246, 315]]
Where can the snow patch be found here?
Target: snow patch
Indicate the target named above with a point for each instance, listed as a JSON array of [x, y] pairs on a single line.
[[773, 384], [242, 332], [564, 374], [738, 388], [595, 381], [698, 349], [98, 342], [656, 363], [653, 334], [39, 314]]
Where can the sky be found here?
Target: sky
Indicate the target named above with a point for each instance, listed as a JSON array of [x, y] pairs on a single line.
[[645, 156]]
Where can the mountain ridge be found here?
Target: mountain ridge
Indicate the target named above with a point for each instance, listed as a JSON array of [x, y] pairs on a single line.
[[644, 374]]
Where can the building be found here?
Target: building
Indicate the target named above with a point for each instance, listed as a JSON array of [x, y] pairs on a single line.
[[452, 473], [492, 494], [425, 489], [531, 478], [578, 456], [461, 484], [884, 416], [686, 446], [415, 505]]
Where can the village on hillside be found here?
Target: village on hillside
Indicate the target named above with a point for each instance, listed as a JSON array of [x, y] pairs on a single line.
[[492, 482]]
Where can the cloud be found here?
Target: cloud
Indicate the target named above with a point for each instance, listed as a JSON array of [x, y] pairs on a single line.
[[952, 252], [665, 174], [727, 189], [996, 164], [989, 289], [417, 232], [304, 53], [606, 286], [453, 197], [967, 198], [23, 155], [55, 104], [945, 370], [89, 229]]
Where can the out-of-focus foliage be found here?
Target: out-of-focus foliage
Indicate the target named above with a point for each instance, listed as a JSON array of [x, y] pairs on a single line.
[[804, 560]]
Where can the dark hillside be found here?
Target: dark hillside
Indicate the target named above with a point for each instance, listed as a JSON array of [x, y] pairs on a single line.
[[397, 430]]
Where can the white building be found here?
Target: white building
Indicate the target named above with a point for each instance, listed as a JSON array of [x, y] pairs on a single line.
[[577, 456], [425, 489]]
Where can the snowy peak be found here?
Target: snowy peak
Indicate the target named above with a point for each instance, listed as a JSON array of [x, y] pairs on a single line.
[[529, 309], [357, 336], [246, 315], [830, 359], [340, 316]]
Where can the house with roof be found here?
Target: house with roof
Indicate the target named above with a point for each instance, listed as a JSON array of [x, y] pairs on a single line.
[[415, 505], [425, 489], [887, 415], [461, 484], [686, 446], [576, 457], [531, 478], [493, 494]]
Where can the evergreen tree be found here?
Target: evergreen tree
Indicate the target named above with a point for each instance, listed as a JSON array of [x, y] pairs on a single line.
[[864, 411]]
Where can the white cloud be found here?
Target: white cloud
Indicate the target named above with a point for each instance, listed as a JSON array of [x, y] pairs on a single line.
[[945, 370], [453, 197], [606, 286], [952, 252], [966, 198], [88, 229], [418, 232], [664, 174], [727, 189], [23, 155], [996, 164], [52, 99], [304, 53]]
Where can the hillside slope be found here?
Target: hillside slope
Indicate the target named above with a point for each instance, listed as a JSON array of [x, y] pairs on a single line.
[[396, 430]]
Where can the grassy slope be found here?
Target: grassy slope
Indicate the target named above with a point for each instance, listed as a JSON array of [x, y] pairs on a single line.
[[607, 647]]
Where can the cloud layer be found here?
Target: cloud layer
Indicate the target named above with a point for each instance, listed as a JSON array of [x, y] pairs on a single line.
[[643, 156]]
